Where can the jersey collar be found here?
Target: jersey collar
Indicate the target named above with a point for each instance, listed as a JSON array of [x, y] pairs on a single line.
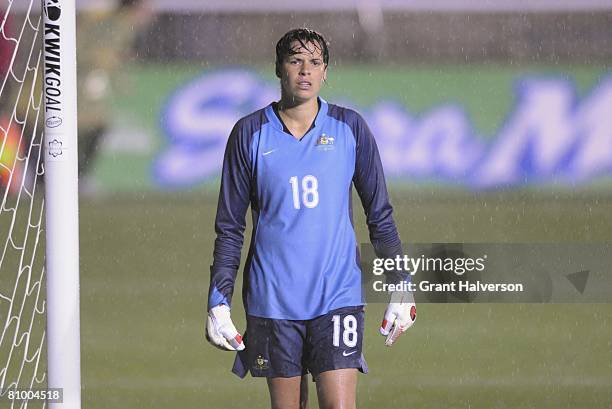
[[278, 124]]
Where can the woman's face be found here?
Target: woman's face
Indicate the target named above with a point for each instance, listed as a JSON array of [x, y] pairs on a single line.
[[303, 73]]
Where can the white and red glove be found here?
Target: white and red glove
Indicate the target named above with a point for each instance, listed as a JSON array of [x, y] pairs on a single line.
[[220, 330], [399, 316]]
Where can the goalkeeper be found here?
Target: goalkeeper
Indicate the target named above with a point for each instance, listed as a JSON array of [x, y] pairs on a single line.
[[294, 162]]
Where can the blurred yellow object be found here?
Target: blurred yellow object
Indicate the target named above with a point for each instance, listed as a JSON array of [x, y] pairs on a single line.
[[11, 169]]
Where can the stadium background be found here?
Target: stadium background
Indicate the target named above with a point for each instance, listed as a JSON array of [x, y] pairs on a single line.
[[146, 245]]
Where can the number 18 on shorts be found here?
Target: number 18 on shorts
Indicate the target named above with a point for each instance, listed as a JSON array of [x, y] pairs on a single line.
[[287, 348]]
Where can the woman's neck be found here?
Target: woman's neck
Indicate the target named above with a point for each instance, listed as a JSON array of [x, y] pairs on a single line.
[[298, 114]]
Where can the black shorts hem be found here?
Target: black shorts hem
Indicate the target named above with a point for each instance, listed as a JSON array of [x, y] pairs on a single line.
[[361, 366], [241, 370]]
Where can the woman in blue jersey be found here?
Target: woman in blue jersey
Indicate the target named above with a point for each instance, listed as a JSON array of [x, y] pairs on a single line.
[[295, 163]]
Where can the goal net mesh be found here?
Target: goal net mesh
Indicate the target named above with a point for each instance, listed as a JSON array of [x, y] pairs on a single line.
[[22, 255]]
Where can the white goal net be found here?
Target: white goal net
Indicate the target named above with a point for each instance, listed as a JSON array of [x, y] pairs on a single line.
[[22, 255]]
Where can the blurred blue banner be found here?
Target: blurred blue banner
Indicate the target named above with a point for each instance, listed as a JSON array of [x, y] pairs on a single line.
[[550, 135]]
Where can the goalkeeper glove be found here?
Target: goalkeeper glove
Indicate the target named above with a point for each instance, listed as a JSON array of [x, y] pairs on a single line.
[[220, 330], [399, 316]]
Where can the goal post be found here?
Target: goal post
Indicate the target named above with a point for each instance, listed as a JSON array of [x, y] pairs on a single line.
[[38, 221], [61, 199]]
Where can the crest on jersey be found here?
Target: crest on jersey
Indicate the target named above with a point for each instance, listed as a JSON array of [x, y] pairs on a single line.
[[261, 363], [325, 142]]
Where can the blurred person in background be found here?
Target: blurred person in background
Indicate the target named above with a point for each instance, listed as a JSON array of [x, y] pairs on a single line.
[[295, 162], [104, 44]]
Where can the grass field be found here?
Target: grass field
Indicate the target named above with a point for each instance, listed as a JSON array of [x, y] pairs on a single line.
[[144, 277]]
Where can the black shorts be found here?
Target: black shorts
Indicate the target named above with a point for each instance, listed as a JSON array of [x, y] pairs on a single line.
[[288, 348]]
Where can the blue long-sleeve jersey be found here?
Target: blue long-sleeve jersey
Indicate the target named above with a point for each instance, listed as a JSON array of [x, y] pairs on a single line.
[[303, 256]]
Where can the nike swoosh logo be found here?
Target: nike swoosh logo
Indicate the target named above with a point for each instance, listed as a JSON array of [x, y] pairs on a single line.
[[269, 152], [344, 353]]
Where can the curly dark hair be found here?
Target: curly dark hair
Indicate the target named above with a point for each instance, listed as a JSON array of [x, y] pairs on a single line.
[[303, 36]]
